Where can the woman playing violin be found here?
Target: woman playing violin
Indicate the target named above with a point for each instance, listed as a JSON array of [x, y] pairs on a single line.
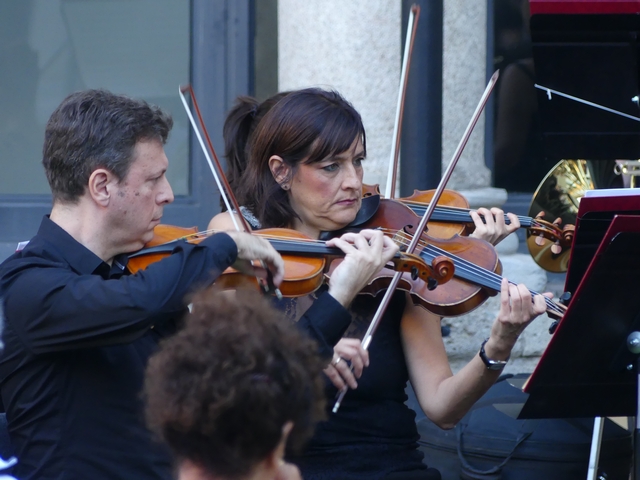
[[305, 170]]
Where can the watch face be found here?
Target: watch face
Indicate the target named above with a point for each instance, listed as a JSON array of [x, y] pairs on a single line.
[[493, 365]]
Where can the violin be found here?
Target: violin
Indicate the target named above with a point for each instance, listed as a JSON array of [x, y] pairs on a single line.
[[477, 269], [439, 271], [466, 270], [452, 217], [307, 261]]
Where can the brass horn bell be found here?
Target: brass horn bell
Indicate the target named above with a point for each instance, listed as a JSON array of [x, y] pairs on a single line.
[[557, 199]]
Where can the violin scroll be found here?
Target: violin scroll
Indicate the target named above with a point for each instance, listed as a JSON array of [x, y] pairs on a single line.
[[552, 231], [440, 271], [444, 268]]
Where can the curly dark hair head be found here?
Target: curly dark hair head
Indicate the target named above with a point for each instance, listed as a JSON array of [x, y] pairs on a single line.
[[305, 126], [220, 391], [96, 129]]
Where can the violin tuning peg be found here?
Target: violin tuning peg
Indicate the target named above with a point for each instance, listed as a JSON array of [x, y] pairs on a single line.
[[540, 240], [414, 273], [565, 298], [568, 233], [432, 283], [556, 248], [553, 326]]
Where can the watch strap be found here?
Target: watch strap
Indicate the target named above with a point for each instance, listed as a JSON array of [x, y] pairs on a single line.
[[489, 363]]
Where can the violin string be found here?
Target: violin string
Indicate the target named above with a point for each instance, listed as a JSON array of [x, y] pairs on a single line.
[[457, 212], [462, 215], [493, 278], [534, 223], [291, 240], [461, 265], [474, 270], [468, 266], [482, 273]]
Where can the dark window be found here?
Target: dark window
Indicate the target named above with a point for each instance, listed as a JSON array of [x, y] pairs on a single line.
[[143, 48]]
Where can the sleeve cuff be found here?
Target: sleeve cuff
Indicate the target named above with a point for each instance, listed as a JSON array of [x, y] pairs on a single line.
[[225, 248], [335, 319], [325, 321]]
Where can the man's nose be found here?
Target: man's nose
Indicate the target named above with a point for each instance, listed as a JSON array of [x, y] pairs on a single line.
[[166, 194]]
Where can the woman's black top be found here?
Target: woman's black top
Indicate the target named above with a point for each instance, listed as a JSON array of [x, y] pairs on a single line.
[[373, 433]]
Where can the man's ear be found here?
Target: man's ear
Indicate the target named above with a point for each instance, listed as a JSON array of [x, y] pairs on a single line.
[[276, 457], [100, 186], [286, 430], [281, 171]]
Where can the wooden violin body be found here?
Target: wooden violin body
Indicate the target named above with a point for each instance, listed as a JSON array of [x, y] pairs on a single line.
[[306, 261], [474, 260], [421, 198], [303, 274], [161, 245], [452, 217]]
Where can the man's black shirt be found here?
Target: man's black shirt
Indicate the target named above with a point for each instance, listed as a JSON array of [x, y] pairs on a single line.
[[78, 335]]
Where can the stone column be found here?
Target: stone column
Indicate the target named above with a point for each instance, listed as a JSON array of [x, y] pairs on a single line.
[[464, 72], [354, 48], [464, 80]]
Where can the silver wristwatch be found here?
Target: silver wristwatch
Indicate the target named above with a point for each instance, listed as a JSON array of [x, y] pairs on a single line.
[[491, 364]]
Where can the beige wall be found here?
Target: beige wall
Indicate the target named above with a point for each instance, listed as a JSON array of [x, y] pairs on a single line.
[[350, 46]]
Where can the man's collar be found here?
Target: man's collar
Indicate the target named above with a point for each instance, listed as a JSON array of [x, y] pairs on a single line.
[[79, 257]]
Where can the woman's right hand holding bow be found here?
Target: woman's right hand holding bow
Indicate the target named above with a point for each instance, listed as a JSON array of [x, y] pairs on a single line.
[[348, 363]]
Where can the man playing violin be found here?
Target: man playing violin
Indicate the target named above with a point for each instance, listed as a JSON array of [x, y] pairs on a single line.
[[304, 171], [79, 328]]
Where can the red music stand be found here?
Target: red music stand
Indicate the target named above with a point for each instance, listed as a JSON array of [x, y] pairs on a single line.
[[590, 367]]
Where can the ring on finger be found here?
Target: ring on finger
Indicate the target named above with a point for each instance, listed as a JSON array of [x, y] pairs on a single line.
[[336, 361]]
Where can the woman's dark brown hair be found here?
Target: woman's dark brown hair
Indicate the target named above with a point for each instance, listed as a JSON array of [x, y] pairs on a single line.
[[240, 123], [220, 391], [305, 126]]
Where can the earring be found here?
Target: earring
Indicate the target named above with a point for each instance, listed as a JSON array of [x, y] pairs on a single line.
[[285, 187]]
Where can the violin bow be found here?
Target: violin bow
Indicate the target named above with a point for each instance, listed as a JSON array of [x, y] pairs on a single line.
[[221, 180], [412, 25], [218, 174], [368, 336]]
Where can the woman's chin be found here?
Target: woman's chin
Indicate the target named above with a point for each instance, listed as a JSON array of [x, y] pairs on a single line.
[[340, 221]]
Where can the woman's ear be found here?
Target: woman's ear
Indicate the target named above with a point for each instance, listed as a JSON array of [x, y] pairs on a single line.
[[281, 171]]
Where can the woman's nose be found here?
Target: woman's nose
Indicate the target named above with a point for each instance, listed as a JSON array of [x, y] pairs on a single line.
[[352, 179]]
